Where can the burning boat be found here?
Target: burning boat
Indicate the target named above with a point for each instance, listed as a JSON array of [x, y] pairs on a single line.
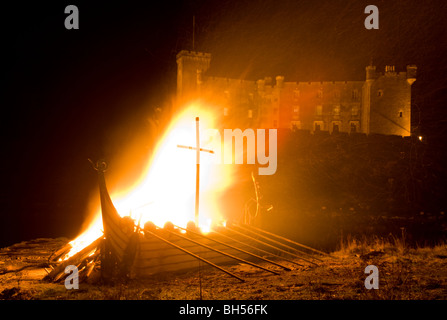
[[126, 250], [128, 247]]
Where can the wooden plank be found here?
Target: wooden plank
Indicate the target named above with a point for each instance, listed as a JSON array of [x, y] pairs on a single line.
[[225, 247], [197, 257], [286, 239], [225, 254], [269, 245], [258, 234], [74, 260]]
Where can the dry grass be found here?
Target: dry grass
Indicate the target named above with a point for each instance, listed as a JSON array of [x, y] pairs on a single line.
[[405, 273]]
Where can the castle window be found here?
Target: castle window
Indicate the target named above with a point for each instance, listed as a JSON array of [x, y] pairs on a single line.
[[296, 112], [320, 94], [380, 93], [335, 128], [319, 110], [250, 113], [250, 97], [400, 114], [225, 111], [296, 125], [296, 93], [355, 95], [354, 126], [318, 125], [336, 110], [355, 111]]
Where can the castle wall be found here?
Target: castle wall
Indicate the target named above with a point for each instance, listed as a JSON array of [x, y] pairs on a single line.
[[335, 104], [380, 104], [391, 104]]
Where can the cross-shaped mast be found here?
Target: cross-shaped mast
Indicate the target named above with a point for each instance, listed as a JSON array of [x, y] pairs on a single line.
[[198, 149]]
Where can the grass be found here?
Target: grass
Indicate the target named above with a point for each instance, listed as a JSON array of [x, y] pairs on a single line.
[[406, 272], [391, 244]]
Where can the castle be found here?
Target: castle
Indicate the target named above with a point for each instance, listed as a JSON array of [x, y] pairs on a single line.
[[380, 104]]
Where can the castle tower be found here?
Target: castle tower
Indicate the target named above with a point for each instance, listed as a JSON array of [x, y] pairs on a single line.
[[387, 101], [411, 74], [191, 66]]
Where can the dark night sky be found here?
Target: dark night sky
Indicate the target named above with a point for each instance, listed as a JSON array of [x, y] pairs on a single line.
[[70, 95]]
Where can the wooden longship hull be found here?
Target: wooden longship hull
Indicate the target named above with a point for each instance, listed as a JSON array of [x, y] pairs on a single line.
[[141, 253], [157, 251], [156, 256]]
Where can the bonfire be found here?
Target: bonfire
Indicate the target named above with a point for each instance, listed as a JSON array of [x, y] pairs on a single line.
[[164, 231]]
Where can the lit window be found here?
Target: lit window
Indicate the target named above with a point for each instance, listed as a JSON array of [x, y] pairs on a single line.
[[225, 111], [319, 110], [336, 110], [250, 113]]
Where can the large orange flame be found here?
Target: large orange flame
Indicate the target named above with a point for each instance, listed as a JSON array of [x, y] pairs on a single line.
[[166, 189]]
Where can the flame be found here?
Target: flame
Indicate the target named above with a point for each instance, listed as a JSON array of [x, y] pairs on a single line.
[[165, 190]]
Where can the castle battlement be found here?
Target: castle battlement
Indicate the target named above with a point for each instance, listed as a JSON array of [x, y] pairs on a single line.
[[380, 104], [190, 53]]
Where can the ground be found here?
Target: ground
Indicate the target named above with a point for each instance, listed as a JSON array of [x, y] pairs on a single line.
[[404, 274]]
